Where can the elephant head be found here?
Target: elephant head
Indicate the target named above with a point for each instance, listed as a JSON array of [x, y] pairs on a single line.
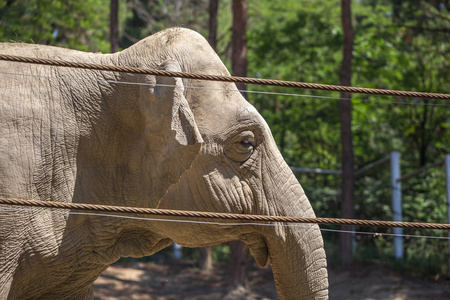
[[221, 157], [156, 142]]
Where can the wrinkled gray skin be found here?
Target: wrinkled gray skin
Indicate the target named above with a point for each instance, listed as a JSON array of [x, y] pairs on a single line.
[[167, 147]]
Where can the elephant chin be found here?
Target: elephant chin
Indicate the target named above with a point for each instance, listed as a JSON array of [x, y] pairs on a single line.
[[260, 251]]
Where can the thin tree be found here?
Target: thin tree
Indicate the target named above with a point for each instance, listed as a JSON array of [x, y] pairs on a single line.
[[213, 10], [114, 25], [205, 259], [239, 254], [345, 112], [239, 41]]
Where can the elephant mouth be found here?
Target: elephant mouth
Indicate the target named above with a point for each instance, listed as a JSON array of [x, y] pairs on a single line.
[[258, 247]]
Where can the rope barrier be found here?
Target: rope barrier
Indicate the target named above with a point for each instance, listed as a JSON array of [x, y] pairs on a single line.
[[415, 103], [245, 80], [222, 216], [306, 226]]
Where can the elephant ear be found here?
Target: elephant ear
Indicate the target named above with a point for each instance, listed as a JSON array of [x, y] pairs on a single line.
[[172, 137]]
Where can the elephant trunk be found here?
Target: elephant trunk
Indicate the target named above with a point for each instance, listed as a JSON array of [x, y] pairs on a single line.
[[296, 253]]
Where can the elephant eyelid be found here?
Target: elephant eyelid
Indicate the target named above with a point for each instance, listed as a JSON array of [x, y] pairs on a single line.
[[245, 137]]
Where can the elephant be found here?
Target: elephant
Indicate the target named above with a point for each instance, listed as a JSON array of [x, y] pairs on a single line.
[[97, 137]]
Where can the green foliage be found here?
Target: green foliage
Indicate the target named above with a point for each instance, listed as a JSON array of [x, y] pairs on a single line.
[[81, 25], [144, 18], [221, 254], [302, 41], [391, 54], [423, 257]]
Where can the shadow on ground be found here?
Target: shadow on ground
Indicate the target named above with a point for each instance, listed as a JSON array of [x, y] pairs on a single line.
[[182, 280]]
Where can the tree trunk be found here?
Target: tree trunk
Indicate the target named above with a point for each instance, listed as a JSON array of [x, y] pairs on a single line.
[[239, 254], [205, 259], [239, 41], [345, 112], [212, 37], [114, 26], [238, 265]]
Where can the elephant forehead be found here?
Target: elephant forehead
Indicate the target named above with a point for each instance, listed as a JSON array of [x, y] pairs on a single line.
[[228, 117], [219, 107], [249, 113]]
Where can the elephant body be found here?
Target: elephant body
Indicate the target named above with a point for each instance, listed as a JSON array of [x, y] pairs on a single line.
[[87, 136]]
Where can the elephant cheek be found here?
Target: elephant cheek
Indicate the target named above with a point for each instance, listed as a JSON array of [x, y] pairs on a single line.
[[228, 193]]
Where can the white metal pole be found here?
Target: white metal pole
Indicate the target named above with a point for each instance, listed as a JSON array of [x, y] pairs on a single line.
[[177, 251], [447, 171], [397, 202]]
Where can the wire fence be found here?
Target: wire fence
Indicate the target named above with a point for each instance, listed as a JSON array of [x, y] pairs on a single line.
[[255, 219], [221, 216], [153, 219], [413, 102], [235, 79]]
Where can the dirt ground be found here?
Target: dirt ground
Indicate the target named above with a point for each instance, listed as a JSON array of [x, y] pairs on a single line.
[[182, 280]]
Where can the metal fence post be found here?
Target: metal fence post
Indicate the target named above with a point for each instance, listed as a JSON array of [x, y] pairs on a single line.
[[177, 251], [397, 202]]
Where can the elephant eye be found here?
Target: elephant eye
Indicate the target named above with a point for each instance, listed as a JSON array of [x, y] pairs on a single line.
[[247, 143], [241, 146]]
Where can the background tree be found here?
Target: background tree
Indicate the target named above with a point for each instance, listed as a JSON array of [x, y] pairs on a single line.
[[148, 17], [345, 114], [114, 26], [212, 34], [302, 41], [239, 254], [66, 23], [205, 258]]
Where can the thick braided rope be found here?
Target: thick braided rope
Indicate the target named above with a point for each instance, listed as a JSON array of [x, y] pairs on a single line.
[[246, 80], [222, 216]]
